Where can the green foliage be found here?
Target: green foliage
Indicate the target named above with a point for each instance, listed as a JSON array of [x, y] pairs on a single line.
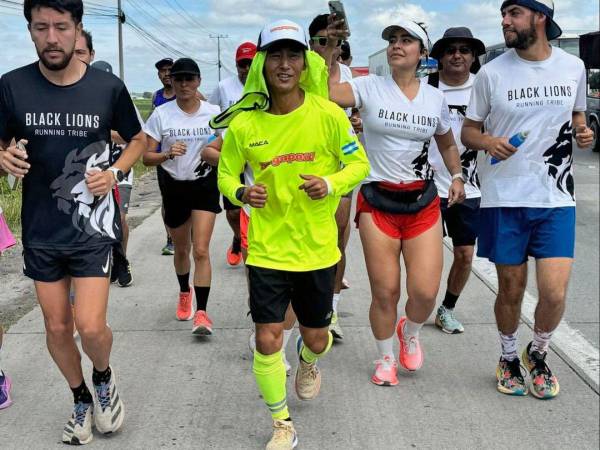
[[144, 105]]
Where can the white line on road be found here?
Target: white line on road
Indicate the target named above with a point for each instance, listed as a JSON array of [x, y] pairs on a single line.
[[569, 343]]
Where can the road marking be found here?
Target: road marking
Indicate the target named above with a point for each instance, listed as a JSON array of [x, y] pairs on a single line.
[[569, 343]]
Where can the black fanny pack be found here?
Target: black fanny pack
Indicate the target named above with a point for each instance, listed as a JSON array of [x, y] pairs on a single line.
[[399, 202]]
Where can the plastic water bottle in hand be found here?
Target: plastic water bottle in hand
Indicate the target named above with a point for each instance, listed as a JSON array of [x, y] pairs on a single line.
[[515, 141]]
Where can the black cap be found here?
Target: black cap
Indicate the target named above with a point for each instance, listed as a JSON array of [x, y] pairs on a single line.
[[103, 66], [185, 66], [455, 34], [164, 62]]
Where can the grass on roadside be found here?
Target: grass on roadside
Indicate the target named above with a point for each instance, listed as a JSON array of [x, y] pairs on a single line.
[[11, 206], [144, 106]]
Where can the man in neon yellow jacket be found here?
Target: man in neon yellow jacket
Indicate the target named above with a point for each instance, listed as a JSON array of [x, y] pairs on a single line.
[[304, 155]]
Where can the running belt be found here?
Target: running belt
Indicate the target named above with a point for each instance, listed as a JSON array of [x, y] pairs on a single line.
[[256, 94]]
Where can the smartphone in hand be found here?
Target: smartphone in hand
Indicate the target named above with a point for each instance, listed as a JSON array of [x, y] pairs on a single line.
[[13, 182], [337, 8]]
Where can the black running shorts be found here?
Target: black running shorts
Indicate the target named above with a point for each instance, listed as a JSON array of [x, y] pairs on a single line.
[[311, 294], [227, 205], [181, 197], [53, 265], [461, 221]]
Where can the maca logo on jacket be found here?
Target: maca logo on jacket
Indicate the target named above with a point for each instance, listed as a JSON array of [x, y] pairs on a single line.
[[258, 143], [289, 158]]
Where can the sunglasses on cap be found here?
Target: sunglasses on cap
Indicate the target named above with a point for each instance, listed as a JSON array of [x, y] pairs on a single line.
[[463, 50], [186, 77], [244, 63], [322, 41]]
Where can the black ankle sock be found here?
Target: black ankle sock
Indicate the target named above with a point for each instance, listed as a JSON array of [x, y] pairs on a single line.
[[184, 282], [201, 297], [82, 394], [450, 300], [101, 377], [236, 245]]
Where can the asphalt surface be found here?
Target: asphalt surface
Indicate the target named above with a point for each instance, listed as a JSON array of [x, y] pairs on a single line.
[[583, 306], [184, 392]]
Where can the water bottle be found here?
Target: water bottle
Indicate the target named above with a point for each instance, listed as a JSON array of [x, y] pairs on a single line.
[[515, 141]]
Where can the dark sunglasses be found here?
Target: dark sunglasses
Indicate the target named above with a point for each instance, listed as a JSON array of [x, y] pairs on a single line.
[[188, 78], [244, 63], [322, 41], [464, 50]]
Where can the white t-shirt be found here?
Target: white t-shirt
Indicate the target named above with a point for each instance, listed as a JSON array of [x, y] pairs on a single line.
[[128, 180], [169, 124], [511, 95], [227, 92], [457, 98], [345, 77], [398, 130]]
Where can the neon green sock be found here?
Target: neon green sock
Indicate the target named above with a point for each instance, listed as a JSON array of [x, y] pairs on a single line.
[[310, 357], [269, 372]]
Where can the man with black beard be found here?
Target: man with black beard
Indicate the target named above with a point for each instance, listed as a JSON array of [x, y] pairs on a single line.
[[61, 112], [532, 97]]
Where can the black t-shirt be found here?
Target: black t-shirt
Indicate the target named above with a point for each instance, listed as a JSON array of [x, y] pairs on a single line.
[[68, 129]]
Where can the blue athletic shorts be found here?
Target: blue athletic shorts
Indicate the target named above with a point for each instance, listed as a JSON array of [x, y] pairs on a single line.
[[510, 235]]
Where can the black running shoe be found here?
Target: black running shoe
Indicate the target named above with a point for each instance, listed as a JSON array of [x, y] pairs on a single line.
[[124, 277]]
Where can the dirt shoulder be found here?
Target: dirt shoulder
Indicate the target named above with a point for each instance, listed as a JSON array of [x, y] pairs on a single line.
[[17, 296]]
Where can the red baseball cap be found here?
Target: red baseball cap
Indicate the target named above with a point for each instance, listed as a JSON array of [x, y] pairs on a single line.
[[245, 51]]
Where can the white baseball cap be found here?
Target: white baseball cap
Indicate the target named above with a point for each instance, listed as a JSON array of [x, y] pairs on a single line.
[[413, 28], [282, 30]]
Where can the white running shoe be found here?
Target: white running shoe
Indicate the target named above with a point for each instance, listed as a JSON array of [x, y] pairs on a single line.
[[288, 366], [252, 342], [335, 328], [78, 430], [108, 408]]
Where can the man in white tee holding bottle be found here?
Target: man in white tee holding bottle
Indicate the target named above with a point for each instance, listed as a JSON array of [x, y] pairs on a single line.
[[528, 196]]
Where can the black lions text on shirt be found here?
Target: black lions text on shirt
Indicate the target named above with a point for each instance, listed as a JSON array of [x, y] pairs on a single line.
[[68, 133]]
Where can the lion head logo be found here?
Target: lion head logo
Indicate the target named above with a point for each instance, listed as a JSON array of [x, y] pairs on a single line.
[[94, 216], [559, 159]]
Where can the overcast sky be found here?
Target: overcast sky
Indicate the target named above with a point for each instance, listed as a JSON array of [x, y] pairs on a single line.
[[186, 26]]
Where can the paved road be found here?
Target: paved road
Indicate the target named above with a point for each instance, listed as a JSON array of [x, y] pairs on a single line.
[[583, 306], [182, 392]]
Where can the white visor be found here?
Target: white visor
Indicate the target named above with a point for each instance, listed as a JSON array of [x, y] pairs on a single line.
[[282, 30], [411, 27]]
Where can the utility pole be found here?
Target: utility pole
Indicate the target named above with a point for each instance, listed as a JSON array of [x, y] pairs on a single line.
[[121, 20], [218, 37]]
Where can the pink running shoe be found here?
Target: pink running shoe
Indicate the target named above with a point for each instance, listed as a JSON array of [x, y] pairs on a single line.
[[411, 355], [202, 324], [5, 385], [185, 311], [386, 372]]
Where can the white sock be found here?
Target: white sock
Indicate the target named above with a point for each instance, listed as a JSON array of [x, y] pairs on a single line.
[[287, 334], [336, 300], [508, 343], [411, 329], [386, 347], [541, 341]]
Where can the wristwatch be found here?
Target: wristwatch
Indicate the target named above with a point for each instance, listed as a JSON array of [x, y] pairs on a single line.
[[239, 194], [118, 174], [458, 176]]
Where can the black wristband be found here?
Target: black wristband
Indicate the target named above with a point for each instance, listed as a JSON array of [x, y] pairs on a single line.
[[239, 194]]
